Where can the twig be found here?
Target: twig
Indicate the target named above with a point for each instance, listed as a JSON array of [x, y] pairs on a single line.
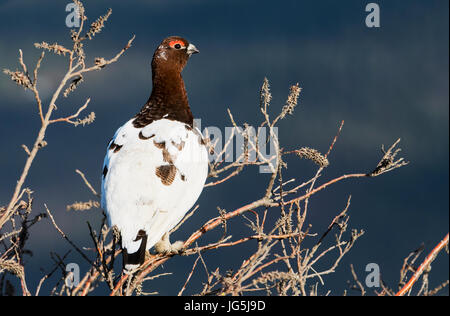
[[67, 238], [355, 277], [189, 277], [68, 119], [87, 183], [428, 260]]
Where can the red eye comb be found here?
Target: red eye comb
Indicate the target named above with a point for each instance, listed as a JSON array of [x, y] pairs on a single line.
[[173, 43]]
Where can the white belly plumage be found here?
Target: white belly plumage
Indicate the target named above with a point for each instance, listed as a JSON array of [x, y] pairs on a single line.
[[152, 177]]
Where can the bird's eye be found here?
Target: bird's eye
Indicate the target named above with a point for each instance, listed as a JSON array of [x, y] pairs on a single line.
[[177, 44]]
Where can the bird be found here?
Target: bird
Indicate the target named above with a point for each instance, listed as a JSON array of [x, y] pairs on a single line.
[[156, 164]]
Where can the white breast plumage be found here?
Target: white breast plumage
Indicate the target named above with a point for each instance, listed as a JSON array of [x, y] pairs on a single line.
[[152, 176]]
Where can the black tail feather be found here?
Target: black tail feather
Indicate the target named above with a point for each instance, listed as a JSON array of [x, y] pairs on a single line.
[[138, 257]]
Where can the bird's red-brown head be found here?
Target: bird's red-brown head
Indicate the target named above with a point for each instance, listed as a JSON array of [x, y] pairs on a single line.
[[173, 52]]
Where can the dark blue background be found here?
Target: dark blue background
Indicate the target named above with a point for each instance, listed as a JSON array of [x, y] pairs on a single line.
[[385, 83]]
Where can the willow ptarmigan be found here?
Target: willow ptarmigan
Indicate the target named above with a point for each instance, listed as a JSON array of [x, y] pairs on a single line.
[[156, 164]]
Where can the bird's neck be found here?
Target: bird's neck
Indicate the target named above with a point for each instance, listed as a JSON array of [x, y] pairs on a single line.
[[168, 99], [168, 86]]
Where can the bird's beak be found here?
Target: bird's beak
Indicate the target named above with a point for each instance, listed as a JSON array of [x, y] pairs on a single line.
[[191, 49]]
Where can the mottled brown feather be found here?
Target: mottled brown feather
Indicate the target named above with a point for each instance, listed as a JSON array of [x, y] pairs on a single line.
[[166, 173], [141, 136], [179, 146], [160, 145], [166, 156], [115, 147]]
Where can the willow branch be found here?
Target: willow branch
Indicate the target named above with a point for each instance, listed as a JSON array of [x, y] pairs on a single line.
[[428, 260]]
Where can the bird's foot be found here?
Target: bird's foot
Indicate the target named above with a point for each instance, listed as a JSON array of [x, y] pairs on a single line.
[[131, 269], [165, 247]]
